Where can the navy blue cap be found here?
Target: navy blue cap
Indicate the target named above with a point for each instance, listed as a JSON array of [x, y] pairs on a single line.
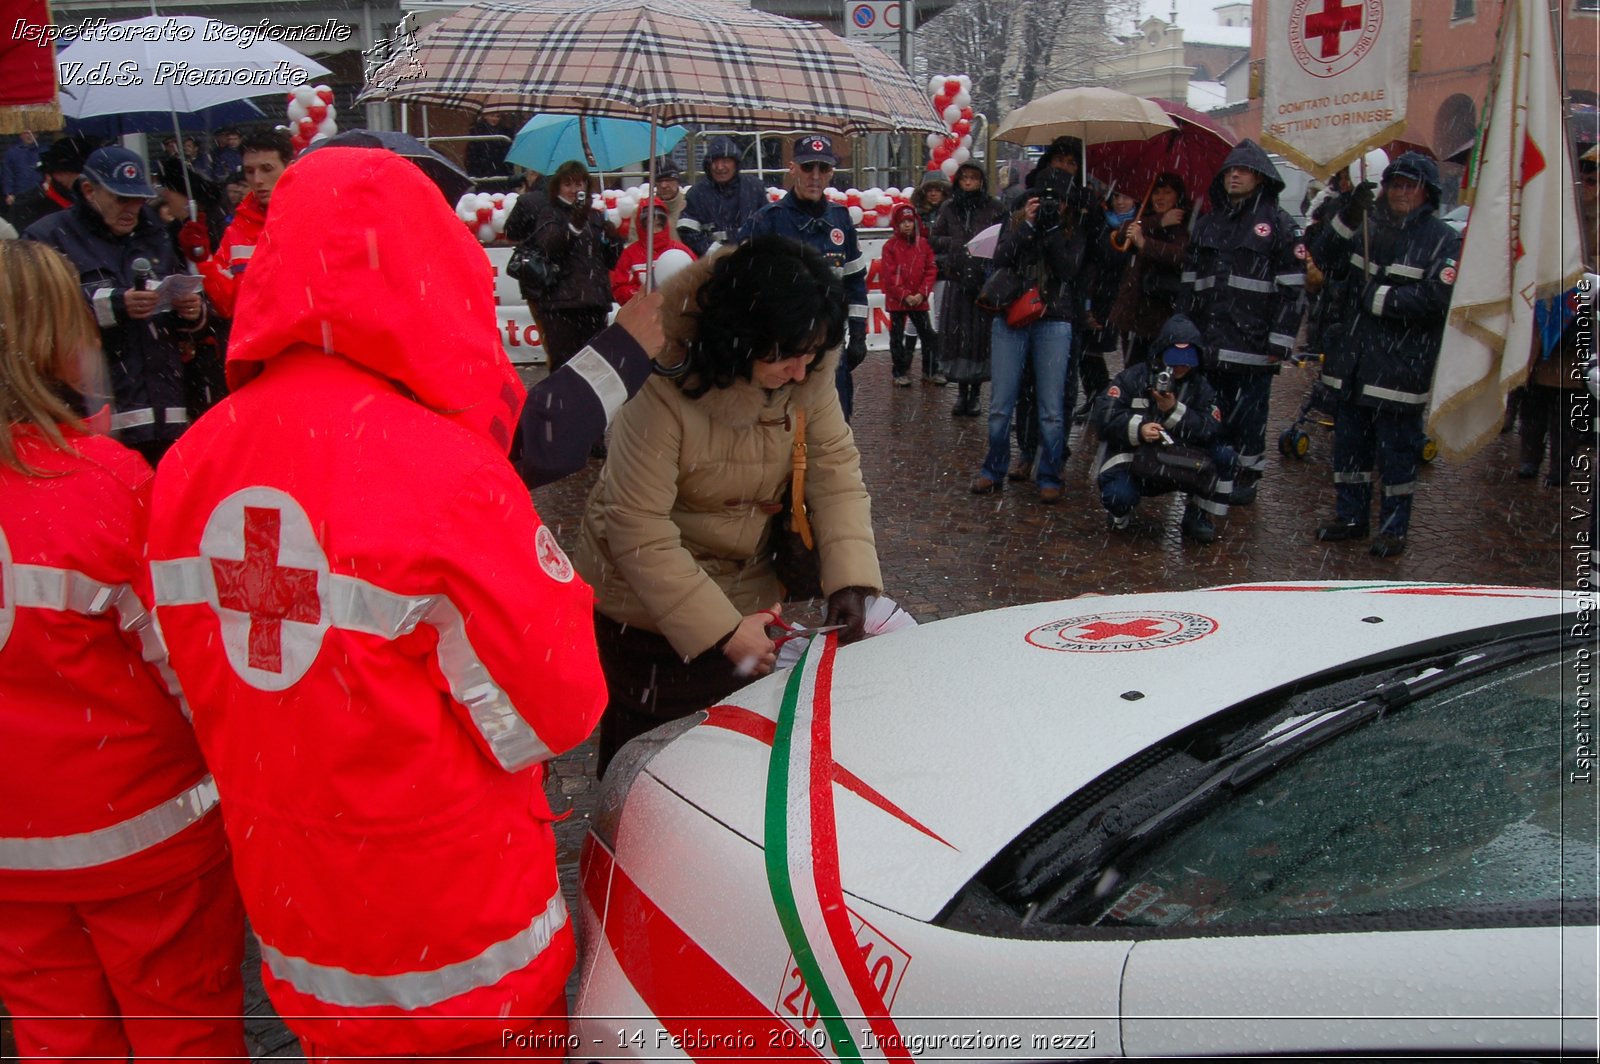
[[1181, 355], [119, 171], [813, 148]]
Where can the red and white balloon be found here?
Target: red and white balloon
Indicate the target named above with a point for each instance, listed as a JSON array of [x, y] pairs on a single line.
[[952, 98], [312, 115]]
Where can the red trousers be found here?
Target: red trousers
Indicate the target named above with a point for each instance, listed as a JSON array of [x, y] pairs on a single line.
[[154, 974], [542, 1037]]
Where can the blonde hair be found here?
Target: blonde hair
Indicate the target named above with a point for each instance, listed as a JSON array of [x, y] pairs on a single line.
[[45, 328]]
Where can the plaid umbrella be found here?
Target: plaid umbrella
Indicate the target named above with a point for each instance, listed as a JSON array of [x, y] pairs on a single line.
[[671, 60]]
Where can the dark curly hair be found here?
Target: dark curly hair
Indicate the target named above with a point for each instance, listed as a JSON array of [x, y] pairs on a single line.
[[770, 298]]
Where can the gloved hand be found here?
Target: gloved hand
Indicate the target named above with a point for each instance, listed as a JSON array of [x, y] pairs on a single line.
[[848, 606], [855, 351], [1361, 201], [194, 241]]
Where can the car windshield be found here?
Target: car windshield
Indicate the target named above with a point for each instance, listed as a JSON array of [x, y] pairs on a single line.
[[1438, 785]]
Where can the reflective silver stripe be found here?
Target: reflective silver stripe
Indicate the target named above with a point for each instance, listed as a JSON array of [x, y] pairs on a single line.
[[62, 853], [133, 617], [128, 419], [1223, 489], [1120, 458], [45, 587], [104, 315], [1359, 262], [1290, 279], [1378, 297], [1243, 358], [1352, 478], [1254, 462], [175, 415], [1416, 273], [1415, 398], [1139, 403], [855, 265], [1187, 277], [333, 985], [511, 738], [241, 251], [1332, 382], [689, 224], [1210, 506], [1283, 340], [1408, 488], [1203, 283], [359, 606], [1250, 284], [181, 582], [603, 378], [858, 310], [1342, 229], [1176, 416]]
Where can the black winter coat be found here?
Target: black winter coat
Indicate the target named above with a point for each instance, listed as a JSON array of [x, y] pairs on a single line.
[[584, 255], [1126, 404], [1050, 258], [1390, 288]]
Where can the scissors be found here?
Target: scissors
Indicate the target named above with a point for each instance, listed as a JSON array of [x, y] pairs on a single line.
[[785, 633]]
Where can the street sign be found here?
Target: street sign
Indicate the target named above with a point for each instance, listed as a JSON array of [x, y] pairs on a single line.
[[874, 21]]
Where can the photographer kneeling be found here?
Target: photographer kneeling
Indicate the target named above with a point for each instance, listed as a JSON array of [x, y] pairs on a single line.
[[1159, 420]]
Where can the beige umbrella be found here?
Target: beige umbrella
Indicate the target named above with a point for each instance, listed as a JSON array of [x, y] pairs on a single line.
[[1094, 116]]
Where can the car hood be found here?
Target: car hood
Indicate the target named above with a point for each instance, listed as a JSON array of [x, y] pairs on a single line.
[[950, 738]]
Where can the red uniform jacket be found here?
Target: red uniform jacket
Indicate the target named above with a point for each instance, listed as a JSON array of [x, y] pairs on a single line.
[[94, 740], [224, 270], [908, 266], [380, 639], [627, 276]]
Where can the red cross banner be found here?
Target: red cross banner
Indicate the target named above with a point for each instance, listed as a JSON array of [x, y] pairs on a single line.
[[1335, 80], [1522, 245], [27, 68]]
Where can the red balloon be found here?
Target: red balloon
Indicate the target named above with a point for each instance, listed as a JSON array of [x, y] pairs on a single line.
[[318, 111], [966, 113], [485, 214], [941, 152], [951, 144], [940, 102], [962, 127], [307, 128], [869, 219], [952, 87], [853, 200], [932, 165], [325, 94]]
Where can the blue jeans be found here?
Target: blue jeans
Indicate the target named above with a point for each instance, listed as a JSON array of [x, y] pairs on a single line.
[[1048, 345]]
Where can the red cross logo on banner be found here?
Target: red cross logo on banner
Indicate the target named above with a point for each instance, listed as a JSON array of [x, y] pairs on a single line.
[[1140, 629], [1329, 26], [269, 593]]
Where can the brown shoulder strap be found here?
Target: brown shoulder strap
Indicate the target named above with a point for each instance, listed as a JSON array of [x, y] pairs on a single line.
[[799, 522]]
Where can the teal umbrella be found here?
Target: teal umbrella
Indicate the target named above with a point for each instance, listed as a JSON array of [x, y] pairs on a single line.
[[549, 140]]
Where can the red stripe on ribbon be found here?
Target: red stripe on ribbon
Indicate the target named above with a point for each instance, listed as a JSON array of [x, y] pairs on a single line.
[[744, 722], [825, 861], [695, 999]]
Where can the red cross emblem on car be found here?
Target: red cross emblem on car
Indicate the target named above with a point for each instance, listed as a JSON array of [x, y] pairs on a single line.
[[1143, 628], [1122, 631]]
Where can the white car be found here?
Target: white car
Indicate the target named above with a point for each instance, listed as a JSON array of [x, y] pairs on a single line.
[[1300, 818]]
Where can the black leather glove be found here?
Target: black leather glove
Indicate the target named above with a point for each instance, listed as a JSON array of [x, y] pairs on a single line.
[[855, 351], [848, 606], [1361, 201]]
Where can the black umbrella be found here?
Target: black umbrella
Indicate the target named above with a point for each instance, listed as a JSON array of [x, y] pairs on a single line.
[[445, 175]]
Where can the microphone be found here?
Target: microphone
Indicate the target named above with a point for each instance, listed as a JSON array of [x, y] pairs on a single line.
[[144, 275]]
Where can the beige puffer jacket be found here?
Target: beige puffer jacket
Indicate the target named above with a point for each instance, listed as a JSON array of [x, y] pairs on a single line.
[[674, 539]]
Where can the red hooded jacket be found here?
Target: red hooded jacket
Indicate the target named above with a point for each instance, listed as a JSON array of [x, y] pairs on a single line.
[[103, 793], [223, 271], [908, 266], [380, 639]]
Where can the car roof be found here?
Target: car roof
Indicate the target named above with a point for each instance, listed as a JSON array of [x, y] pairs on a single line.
[[952, 737]]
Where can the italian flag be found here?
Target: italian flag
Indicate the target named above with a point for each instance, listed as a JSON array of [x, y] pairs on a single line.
[[802, 855]]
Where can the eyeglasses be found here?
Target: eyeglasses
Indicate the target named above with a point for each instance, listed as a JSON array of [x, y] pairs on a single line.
[[817, 168]]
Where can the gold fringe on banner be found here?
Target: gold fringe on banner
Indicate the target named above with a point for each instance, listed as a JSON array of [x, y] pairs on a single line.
[[39, 117]]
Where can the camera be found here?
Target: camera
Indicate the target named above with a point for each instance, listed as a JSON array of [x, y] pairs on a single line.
[[1163, 382], [1050, 204], [582, 199]]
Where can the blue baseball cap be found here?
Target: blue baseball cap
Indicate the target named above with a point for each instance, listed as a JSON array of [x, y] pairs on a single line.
[[1181, 355], [815, 148], [119, 171]]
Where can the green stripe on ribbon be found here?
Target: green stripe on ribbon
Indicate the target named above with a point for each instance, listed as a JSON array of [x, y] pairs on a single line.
[[779, 882]]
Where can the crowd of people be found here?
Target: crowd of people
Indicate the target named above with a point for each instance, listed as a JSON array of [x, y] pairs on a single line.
[[284, 637]]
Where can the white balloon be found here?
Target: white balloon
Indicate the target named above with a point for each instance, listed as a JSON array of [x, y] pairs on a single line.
[[960, 155], [511, 200], [483, 199], [934, 140], [963, 99], [870, 199], [936, 85], [467, 210], [498, 219], [305, 93], [949, 166], [952, 115], [966, 141], [485, 233], [966, 82], [297, 111], [1377, 161], [327, 129], [333, 113], [856, 192], [613, 216], [670, 262], [855, 215], [627, 206]]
